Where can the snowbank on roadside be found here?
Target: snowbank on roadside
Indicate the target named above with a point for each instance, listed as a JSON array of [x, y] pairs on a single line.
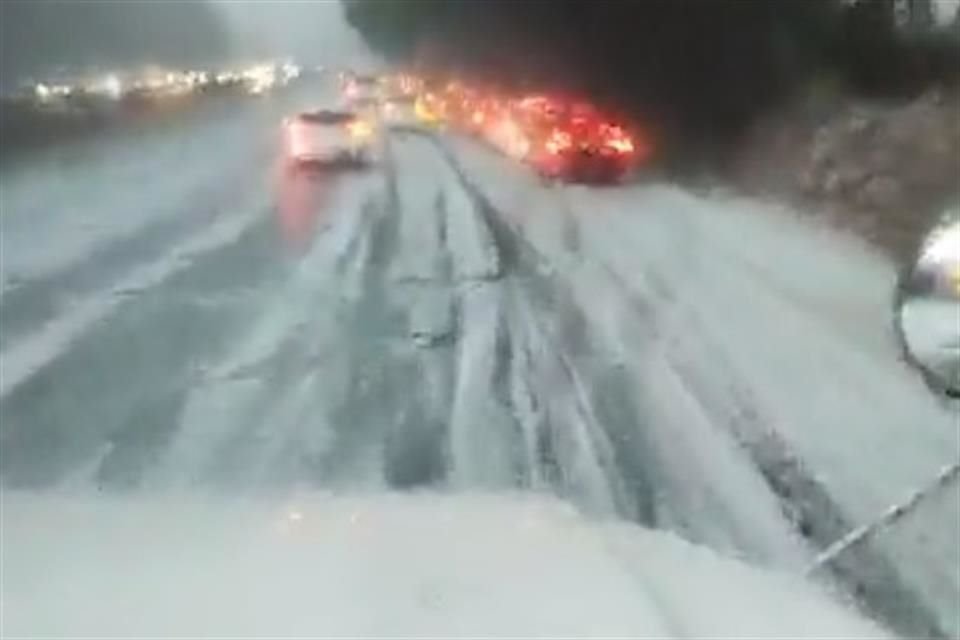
[[397, 566]]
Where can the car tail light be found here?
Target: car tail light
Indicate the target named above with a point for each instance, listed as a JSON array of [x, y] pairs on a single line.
[[294, 137], [622, 144], [615, 138], [558, 142], [510, 138], [360, 129], [293, 131], [423, 111]]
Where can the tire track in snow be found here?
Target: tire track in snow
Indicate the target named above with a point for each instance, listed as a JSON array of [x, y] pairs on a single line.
[[482, 436], [555, 435], [252, 402], [879, 585], [653, 313], [717, 379]]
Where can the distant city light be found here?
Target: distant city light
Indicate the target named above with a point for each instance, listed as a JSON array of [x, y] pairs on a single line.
[[155, 83], [112, 86]]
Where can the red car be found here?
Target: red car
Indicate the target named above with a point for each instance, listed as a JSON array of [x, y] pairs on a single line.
[[580, 145]]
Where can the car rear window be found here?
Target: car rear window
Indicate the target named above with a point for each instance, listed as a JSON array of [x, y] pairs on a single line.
[[327, 117]]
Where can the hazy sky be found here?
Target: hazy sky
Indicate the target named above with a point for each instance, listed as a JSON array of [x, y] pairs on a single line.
[[313, 31], [945, 10]]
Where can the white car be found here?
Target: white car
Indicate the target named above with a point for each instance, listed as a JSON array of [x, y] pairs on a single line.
[[335, 138], [399, 110], [360, 93]]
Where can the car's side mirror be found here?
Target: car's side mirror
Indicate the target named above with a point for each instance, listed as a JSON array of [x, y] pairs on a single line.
[[927, 309]]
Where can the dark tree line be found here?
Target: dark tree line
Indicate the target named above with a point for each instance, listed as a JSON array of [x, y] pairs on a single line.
[[37, 36], [887, 47], [699, 67]]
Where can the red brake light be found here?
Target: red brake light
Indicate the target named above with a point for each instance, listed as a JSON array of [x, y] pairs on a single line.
[[558, 141], [294, 136], [616, 138], [622, 144]]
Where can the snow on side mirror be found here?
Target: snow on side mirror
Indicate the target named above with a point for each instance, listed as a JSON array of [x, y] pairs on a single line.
[[927, 308]]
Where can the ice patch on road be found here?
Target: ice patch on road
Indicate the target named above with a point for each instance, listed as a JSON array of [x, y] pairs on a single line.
[[298, 333], [54, 217], [22, 359], [434, 187], [313, 290], [482, 433], [475, 253], [578, 452], [419, 175], [431, 315]]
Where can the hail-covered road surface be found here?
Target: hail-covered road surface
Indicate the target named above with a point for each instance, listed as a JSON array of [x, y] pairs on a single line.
[[179, 314]]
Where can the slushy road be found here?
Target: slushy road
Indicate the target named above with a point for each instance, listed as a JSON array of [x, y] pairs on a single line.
[[180, 314]]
